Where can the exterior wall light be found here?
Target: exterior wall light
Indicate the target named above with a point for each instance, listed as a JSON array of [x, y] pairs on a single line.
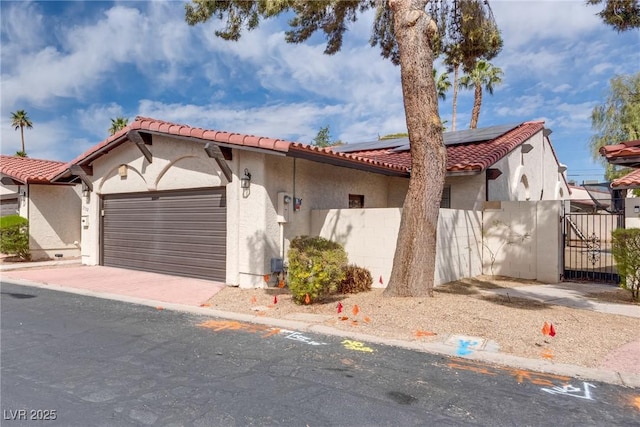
[[245, 181]]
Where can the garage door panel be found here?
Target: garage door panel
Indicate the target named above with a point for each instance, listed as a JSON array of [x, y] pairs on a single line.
[[142, 238], [176, 232], [167, 268]]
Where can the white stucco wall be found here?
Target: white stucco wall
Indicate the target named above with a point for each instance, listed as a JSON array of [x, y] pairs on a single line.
[[54, 221], [523, 240], [632, 212], [369, 237], [516, 239], [467, 191], [539, 168]]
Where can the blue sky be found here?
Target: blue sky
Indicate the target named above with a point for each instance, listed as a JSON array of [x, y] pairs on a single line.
[[75, 65]]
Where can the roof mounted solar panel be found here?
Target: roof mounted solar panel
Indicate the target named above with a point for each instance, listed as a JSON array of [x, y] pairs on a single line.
[[371, 145], [468, 136], [450, 138]]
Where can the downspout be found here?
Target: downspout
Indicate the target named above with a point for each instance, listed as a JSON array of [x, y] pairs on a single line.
[[29, 214], [486, 186]]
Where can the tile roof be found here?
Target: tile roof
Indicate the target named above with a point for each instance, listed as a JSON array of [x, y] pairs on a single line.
[[470, 157], [235, 140], [463, 157], [616, 153], [631, 180], [29, 171]]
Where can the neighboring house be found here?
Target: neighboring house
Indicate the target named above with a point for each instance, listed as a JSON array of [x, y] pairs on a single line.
[[625, 154], [497, 163], [53, 209], [222, 206], [590, 198]]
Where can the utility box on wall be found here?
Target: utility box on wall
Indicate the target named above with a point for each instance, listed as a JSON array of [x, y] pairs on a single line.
[[284, 207]]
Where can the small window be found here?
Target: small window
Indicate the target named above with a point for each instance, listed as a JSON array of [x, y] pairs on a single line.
[[356, 201], [445, 202]]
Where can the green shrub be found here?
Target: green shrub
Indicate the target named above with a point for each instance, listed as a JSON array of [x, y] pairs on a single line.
[[315, 268], [14, 236], [626, 252], [356, 279]]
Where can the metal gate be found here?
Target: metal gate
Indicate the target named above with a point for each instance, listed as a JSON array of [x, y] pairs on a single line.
[[587, 246]]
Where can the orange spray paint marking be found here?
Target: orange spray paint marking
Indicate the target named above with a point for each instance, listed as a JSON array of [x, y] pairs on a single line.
[[159, 308], [266, 277], [205, 305], [547, 353], [475, 369], [367, 319], [356, 310], [254, 299], [521, 375], [344, 318], [425, 334], [636, 403]]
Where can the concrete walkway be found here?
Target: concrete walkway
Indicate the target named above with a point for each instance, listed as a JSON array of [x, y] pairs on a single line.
[[570, 295], [189, 295]]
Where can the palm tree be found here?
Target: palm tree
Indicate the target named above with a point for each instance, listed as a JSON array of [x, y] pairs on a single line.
[[482, 75], [20, 120], [442, 84], [117, 124], [453, 60]]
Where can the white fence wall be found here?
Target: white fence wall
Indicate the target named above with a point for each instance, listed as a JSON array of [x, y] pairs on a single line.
[[369, 237], [516, 239]]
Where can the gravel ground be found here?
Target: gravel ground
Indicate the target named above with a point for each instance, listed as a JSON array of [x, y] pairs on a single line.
[[582, 337]]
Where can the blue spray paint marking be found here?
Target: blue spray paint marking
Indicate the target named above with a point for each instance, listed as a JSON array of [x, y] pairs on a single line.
[[463, 349]]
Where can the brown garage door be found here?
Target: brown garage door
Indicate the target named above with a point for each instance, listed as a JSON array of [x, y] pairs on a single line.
[[172, 232]]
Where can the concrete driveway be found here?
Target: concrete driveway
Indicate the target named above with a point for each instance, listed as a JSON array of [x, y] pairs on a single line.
[[118, 281]]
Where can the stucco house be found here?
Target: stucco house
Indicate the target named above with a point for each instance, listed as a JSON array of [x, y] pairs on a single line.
[[52, 208], [222, 206]]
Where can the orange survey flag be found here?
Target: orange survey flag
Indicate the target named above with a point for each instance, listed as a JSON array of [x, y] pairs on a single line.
[[545, 329], [307, 300]]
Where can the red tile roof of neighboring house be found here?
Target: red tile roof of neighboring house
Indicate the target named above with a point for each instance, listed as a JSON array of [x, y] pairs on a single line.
[[471, 157], [29, 171], [624, 149], [235, 140], [631, 180]]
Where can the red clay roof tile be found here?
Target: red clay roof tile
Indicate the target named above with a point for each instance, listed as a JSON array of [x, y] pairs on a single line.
[[29, 171], [631, 180], [624, 149], [476, 156], [461, 157]]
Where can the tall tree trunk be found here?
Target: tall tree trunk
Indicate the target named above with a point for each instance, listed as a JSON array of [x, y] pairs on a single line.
[[22, 137], [415, 257], [456, 68], [477, 102]]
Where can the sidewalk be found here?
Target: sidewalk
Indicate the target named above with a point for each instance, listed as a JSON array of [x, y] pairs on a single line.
[[189, 295]]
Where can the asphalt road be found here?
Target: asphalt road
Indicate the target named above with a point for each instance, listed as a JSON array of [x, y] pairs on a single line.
[[71, 360]]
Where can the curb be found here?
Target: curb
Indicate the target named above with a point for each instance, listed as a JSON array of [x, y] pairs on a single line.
[[611, 377], [25, 265]]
